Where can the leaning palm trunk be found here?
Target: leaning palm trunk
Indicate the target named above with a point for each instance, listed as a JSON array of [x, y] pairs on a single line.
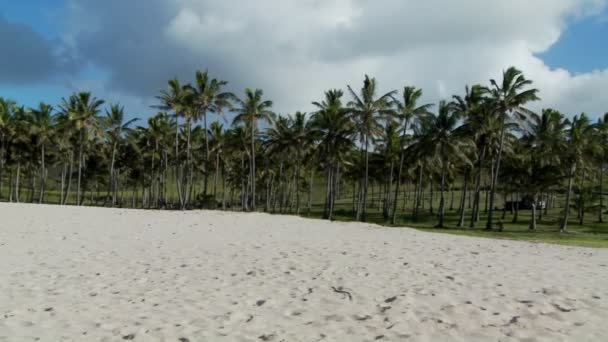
[[496, 171], [309, 200], [463, 199], [71, 171], [206, 175], [178, 179], [477, 197], [62, 189], [80, 158], [42, 174], [366, 181], [564, 224], [17, 182], [442, 197], [253, 165], [533, 218], [111, 184], [396, 199], [601, 211], [297, 181]]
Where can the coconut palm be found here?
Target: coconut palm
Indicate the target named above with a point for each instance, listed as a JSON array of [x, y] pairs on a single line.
[[43, 130], [409, 113], [367, 109], [509, 98], [6, 113], [83, 110], [577, 135], [209, 97], [333, 129], [115, 127], [440, 140], [249, 111], [179, 100], [602, 139]]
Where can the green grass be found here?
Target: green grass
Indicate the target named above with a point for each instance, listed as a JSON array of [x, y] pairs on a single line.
[[590, 234]]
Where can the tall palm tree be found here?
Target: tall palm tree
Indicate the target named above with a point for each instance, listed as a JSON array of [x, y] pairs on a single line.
[[509, 99], [6, 113], [249, 111], [367, 110], [602, 138], [43, 130], [333, 129], [115, 127], [83, 111], [440, 140], [409, 114], [209, 97], [578, 133], [179, 99]]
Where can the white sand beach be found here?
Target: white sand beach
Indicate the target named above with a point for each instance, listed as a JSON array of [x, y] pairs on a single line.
[[93, 274]]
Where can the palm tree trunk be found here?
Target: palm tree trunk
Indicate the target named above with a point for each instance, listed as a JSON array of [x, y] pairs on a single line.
[[533, 218], [465, 188], [42, 174], [389, 186], [206, 176], [253, 123], [477, 197], [178, 180], [564, 224], [80, 157], [62, 189], [215, 179], [69, 189], [111, 183], [309, 200], [223, 188], [516, 204], [397, 186], [418, 195], [297, 181], [364, 212], [442, 197], [496, 171], [17, 182], [601, 211]]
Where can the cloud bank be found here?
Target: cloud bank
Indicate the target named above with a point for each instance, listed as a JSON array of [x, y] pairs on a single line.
[[295, 50]]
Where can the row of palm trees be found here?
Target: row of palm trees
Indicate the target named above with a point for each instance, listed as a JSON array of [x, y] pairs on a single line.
[[485, 141]]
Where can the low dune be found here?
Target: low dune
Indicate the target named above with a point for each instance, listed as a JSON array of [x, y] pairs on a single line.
[[93, 274]]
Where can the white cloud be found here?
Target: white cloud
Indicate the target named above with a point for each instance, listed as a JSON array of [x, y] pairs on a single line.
[[296, 49]]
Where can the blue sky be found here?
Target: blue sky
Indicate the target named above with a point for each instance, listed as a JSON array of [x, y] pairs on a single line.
[[582, 47], [143, 43]]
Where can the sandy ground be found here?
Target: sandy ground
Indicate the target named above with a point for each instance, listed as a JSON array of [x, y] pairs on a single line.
[[92, 274]]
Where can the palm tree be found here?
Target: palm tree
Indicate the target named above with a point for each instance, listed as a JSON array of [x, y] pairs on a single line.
[[367, 109], [179, 99], [509, 99], [475, 111], [440, 140], [83, 110], [578, 133], [218, 143], [333, 129], [209, 97], [6, 112], [602, 138], [115, 127], [250, 110], [43, 130], [408, 113]]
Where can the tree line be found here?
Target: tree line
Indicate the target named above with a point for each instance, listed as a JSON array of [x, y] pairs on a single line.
[[189, 155]]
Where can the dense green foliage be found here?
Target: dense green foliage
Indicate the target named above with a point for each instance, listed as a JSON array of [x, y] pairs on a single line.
[[366, 156]]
